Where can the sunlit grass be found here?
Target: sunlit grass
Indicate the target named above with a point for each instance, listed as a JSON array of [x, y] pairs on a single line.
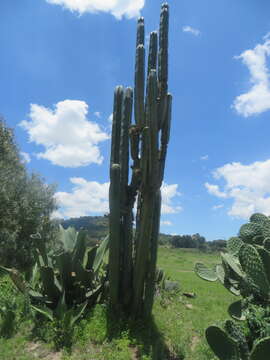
[[182, 327]]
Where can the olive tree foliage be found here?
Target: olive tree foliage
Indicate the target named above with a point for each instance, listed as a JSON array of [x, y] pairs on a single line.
[[26, 204]]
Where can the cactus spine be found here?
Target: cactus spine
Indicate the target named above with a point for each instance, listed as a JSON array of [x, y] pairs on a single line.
[[133, 253]]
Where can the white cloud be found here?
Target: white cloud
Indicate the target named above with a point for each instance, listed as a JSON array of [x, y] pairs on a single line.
[[69, 138], [25, 157], [216, 207], [247, 185], [86, 198], [257, 99], [166, 223], [168, 193], [191, 30], [214, 190], [90, 197], [97, 114], [110, 118], [118, 8], [205, 157]]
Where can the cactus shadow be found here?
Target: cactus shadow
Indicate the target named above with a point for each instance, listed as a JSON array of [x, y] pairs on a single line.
[[145, 337]]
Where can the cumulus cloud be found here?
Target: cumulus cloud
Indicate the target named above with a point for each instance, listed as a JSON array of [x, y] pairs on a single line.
[[214, 190], [166, 223], [257, 99], [118, 8], [191, 30], [25, 157], [247, 185], [69, 138], [168, 193], [85, 198], [91, 197]]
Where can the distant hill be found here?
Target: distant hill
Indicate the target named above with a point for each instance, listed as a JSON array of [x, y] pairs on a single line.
[[98, 227]]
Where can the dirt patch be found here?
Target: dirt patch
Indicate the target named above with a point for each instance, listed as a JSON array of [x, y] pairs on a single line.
[[134, 353], [195, 340], [40, 351]]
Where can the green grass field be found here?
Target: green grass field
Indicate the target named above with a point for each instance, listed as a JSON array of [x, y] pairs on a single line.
[[180, 322]]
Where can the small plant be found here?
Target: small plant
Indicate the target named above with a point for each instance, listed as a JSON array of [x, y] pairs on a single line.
[[13, 307], [245, 271]]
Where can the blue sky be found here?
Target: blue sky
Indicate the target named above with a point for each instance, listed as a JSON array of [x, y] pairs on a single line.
[[60, 61]]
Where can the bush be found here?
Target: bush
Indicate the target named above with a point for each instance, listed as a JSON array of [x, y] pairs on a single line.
[[14, 308], [26, 204]]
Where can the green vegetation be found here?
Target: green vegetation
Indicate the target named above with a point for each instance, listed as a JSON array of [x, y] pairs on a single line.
[[180, 322], [245, 271], [26, 204], [97, 228], [63, 293], [62, 284]]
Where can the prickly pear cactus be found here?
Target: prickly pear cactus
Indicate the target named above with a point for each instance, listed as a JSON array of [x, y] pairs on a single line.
[[254, 268], [205, 273], [249, 231], [245, 271], [261, 350], [223, 345], [233, 245]]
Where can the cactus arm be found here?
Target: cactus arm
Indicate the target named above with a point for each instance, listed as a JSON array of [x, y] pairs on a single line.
[[151, 122], [139, 86], [153, 48], [165, 137], [115, 199], [163, 62], [126, 206], [151, 274], [114, 242], [116, 125], [140, 32], [124, 145], [139, 74]]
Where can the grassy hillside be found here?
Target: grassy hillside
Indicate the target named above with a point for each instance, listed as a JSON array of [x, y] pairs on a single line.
[[180, 322]]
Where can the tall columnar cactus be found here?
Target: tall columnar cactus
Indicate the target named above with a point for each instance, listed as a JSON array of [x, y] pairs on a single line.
[[133, 251]]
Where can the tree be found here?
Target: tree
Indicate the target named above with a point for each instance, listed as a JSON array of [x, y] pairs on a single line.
[[26, 204], [195, 241]]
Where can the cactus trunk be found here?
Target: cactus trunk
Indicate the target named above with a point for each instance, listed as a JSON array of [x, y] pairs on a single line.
[[133, 251]]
